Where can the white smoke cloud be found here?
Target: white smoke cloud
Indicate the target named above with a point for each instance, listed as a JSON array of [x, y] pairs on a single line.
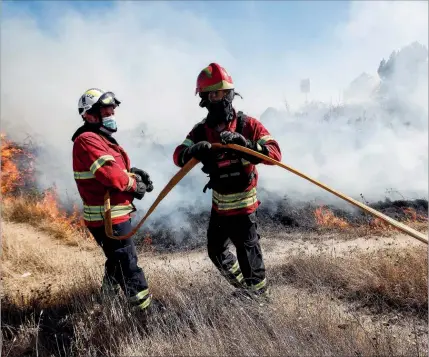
[[150, 54]]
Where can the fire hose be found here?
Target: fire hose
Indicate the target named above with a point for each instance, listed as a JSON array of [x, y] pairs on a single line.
[[191, 163]]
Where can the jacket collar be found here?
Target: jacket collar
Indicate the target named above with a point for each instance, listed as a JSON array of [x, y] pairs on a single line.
[[88, 128]]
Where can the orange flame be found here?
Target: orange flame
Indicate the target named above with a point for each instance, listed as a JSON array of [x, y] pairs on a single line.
[[326, 218], [147, 242], [49, 206], [46, 207], [378, 224], [11, 177], [413, 216]]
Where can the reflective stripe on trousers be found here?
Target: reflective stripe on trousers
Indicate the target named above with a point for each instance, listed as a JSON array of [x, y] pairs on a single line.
[[142, 300], [236, 272]]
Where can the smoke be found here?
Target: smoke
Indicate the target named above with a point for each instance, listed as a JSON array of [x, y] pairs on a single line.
[[150, 54]]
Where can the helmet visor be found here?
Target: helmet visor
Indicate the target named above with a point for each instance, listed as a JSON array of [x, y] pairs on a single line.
[[108, 99], [217, 95]]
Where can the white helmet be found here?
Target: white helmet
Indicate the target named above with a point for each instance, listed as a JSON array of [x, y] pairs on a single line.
[[95, 98]]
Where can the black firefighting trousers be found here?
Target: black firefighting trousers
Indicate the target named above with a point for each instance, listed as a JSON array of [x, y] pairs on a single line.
[[121, 269], [247, 270]]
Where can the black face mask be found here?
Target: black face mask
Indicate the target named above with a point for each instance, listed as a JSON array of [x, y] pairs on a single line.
[[219, 112]]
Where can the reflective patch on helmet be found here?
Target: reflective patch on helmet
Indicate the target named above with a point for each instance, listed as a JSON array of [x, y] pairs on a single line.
[[208, 71], [222, 85], [93, 92]]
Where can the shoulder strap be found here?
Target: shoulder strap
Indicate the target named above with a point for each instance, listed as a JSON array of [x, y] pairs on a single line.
[[200, 131], [241, 122]]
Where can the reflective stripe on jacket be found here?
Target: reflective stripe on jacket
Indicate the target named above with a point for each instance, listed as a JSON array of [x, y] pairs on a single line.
[[246, 201], [99, 165]]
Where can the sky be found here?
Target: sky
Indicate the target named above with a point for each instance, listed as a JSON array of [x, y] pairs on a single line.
[[266, 24], [150, 54], [268, 46]]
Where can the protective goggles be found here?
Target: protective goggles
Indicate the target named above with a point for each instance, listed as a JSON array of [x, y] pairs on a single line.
[[107, 99], [214, 96]]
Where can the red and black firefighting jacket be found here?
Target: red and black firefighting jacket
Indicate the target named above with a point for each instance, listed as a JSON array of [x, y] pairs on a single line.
[[101, 164], [234, 181]]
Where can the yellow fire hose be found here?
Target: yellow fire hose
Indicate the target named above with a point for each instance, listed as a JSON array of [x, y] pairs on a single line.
[[190, 164]]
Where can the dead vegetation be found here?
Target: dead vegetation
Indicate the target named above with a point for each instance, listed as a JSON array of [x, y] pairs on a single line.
[[35, 264], [43, 212], [357, 303], [383, 280], [315, 308]]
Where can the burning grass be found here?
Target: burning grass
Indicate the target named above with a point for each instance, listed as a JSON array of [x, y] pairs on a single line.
[[325, 218], [44, 213], [366, 225], [309, 313], [16, 166], [292, 217], [22, 202]]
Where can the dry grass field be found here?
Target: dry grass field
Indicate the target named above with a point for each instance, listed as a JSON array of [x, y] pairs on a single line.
[[333, 294]]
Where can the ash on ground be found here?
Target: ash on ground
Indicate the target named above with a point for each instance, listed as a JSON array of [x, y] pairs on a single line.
[[284, 215]]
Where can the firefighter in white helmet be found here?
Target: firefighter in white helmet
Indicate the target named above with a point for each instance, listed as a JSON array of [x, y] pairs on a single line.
[[100, 164]]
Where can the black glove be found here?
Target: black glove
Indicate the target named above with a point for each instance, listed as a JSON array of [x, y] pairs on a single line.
[[228, 137], [145, 178], [201, 151], [140, 188]]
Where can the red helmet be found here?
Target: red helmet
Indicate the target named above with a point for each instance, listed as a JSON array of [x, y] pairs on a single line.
[[213, 77]]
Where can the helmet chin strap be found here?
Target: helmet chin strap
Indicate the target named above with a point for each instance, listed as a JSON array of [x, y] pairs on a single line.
[[106, 131]]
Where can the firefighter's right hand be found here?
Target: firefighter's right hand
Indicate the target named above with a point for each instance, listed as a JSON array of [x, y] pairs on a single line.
[[140, 188], [199, 151]]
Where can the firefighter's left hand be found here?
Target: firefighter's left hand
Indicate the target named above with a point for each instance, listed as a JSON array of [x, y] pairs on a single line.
[[228, 137], [145, 178], [141, 188]]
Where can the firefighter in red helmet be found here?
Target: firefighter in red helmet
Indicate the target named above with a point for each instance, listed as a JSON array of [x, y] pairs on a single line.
[[233, 179]]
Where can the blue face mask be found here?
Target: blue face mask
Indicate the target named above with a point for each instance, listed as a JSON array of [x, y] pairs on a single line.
[[109, 124]]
